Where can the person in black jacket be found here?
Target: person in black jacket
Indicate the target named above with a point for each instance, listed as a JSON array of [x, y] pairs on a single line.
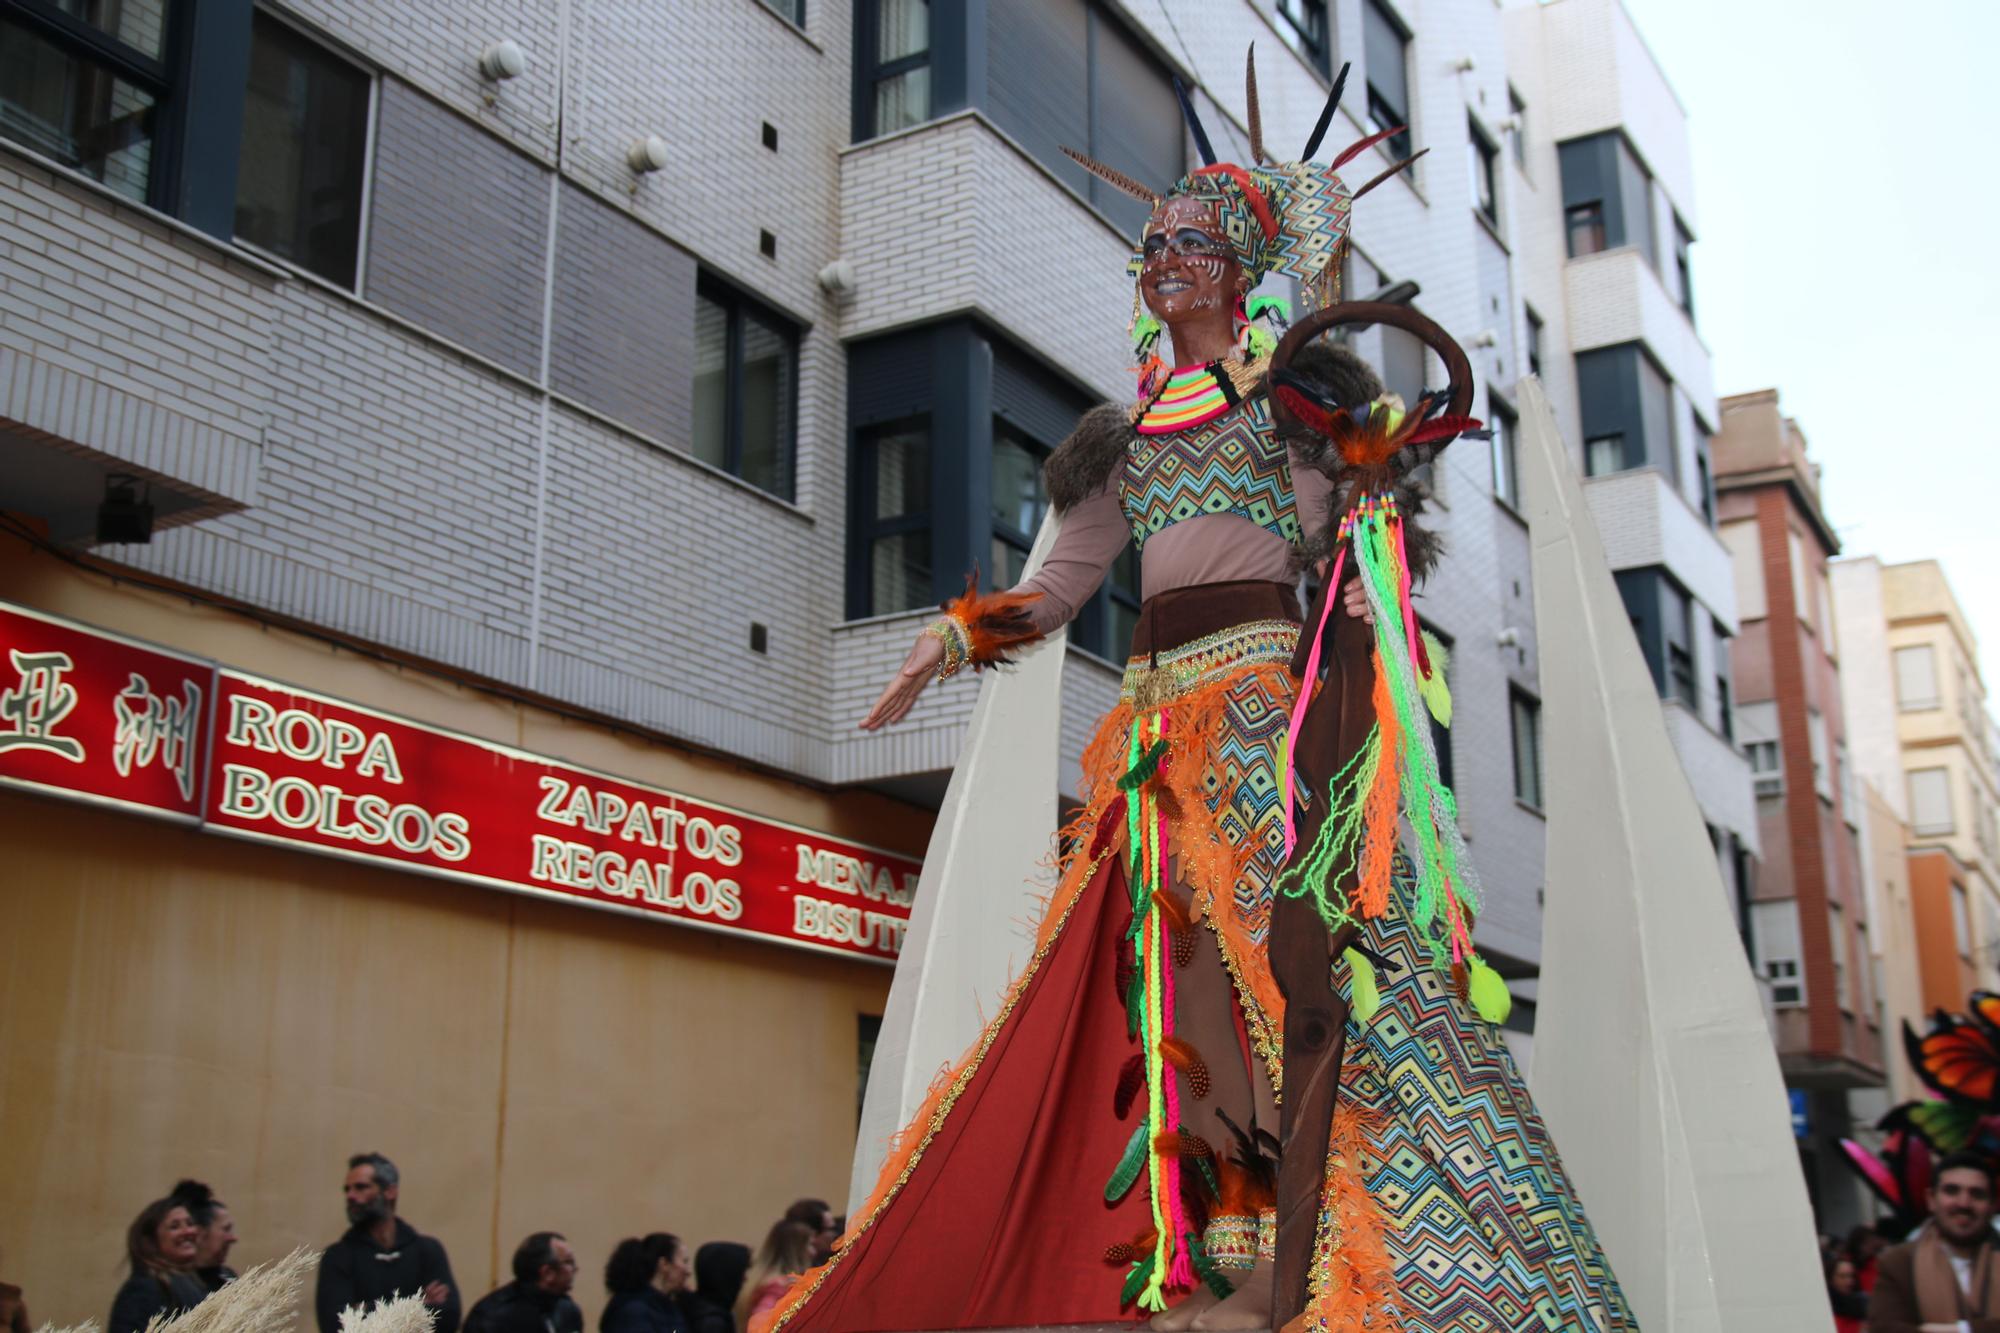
[[719, 1267], [215, 1235], [537, 1300], [645, 1275], [381, 1256], [160, 1244]]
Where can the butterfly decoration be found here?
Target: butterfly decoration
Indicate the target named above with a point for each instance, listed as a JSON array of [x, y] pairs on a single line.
[[1958, 1057]]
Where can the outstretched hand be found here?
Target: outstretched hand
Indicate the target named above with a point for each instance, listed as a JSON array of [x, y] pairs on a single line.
[[900, 695]]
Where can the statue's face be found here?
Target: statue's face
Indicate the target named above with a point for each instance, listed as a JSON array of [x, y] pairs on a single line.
[[1190, 269]]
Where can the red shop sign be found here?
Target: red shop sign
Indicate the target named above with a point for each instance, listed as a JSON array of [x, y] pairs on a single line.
[[100, 718], [294, 767]]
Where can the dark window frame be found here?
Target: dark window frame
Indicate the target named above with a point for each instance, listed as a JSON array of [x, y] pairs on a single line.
[[1485, 164], [1315, 48], [869, 73], [1517, 136], [1519, 703], [1704, 469], [1725, 682], [1620, 411], [735, 302], [1585, 217], [1536, 326], [1506, 449], [1607, 196], [1683, 268], [797, 18], [1000, 532], [868, 528], [1381, 108]]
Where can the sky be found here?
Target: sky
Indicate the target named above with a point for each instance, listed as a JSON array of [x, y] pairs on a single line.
[[1847, 223]]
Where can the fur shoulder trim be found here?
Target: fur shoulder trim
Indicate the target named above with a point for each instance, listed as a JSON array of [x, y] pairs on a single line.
[[1092, 454]]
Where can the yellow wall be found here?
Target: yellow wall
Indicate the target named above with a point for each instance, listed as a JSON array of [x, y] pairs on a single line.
[[176, 1003]]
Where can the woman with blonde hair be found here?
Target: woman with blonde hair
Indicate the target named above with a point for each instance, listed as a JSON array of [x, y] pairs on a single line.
[[786, 1252]]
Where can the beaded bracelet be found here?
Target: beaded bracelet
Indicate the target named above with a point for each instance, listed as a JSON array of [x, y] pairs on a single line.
[[957, 643]]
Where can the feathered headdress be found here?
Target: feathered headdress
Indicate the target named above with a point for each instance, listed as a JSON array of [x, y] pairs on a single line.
[[1280, 217]]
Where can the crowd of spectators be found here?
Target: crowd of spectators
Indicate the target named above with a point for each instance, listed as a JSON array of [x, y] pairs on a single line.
[[177, 1252]]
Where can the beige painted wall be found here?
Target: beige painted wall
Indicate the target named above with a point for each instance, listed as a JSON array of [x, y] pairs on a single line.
[[175, 1003]]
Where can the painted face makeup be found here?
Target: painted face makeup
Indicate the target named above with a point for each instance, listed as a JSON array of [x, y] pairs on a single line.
[[1190, 269]]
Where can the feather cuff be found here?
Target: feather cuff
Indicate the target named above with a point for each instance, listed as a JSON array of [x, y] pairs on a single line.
[[995, 623]]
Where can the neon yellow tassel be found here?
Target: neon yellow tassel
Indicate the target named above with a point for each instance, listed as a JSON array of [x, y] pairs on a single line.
[[1437, 694], [1488, 993], [1365, 997]]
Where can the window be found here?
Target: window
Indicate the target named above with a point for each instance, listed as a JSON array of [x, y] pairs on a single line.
[[894, 41], [1019, 501], [1916, 678], [1767, 769], [1627, 412], [1534, 341], [1818, 737], [1774, 930], [1850, 790], [745, 388], [1757, 728], [1725, 694], [1385, 53], [1677, 626], [84, 85], [1836, 947], [1073, 74], [1683, 274], [1961, 921], [1746, 558], [1795, 549], [1506, 462], [1526, 714], [1482, 154], [1584, 225], [1827, 642], [1302, 23], [894, 477], [1517, 127], [1704, 470], [1607, 196], [305, 141], [1121, 605], [791, 11], [1930, 802]]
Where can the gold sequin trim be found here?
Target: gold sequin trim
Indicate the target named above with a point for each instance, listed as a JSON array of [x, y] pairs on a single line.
[[1153, 680]]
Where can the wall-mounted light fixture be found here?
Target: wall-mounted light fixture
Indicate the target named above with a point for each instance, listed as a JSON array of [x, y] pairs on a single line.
[[647, 155], [503, 60]]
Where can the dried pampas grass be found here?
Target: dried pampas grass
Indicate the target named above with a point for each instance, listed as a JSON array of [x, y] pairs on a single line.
[[405, 1314]]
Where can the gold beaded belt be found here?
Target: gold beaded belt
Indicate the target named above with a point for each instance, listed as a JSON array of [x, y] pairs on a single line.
[[1154, 679]]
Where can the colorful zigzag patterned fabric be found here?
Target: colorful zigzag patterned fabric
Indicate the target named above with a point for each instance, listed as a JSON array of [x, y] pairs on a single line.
[[1232, 465]]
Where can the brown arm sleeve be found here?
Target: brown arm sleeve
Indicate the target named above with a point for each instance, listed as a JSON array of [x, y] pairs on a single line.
[[1093, 533], [1892, 1306], [1311, 490]]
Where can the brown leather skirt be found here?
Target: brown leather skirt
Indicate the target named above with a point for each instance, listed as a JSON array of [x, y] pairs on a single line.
[[1170, 620]]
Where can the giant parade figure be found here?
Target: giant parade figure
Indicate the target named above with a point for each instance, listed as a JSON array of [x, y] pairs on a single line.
[[1251, 1076]]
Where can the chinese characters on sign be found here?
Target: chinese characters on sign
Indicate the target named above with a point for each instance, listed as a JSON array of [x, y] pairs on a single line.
[[99, 718]]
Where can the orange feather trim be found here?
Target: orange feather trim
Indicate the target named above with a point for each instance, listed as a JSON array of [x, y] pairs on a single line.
[[1178, 1052], [995, 623], [1353, 1280], [1243, 1195], [1180, 1143]]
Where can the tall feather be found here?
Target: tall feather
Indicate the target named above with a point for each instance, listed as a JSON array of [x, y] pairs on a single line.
[[1201, 143], [1360, 146], [1112, 176], [1326, 113], [1131, 1077], [1181, 1054], [1255, 114], [1129, 1166], [1390, 172]]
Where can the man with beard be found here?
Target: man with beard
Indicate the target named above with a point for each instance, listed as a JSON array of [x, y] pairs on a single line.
[[1947, 1280], [381, 1256]]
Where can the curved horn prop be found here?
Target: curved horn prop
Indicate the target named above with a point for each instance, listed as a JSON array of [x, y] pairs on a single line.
[[1311, 326]]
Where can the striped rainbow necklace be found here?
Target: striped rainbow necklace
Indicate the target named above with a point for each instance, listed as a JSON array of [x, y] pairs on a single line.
[[1191, 396]]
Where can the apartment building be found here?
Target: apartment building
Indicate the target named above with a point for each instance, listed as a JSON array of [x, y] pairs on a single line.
[[578, 408], [1936, 762], [1810, 923], [1608, 319]]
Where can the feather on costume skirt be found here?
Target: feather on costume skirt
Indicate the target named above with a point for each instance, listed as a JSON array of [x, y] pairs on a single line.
[[1446, 1209]]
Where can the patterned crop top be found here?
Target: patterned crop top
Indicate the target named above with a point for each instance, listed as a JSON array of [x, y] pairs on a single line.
[[1234, 464]]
